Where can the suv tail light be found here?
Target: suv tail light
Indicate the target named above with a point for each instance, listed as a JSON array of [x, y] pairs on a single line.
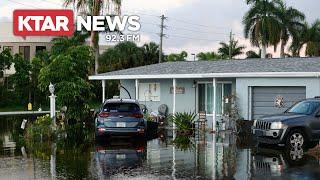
[[137, 115], [103, 114]]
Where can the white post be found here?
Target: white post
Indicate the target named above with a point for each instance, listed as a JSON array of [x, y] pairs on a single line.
[[137, 89], [174, 100], [52, 104], [214, 163], [103, 90], [214, 84], [53, 161]]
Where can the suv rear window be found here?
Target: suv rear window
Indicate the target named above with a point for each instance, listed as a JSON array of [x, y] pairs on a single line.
[[121, 107]]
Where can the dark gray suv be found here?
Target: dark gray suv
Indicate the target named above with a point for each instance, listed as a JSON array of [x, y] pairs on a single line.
[[299, 126]]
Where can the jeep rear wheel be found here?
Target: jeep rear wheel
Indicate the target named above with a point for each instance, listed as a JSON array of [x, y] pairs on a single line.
[[296, 138]]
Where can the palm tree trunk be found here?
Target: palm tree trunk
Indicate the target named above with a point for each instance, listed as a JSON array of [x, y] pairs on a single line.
[[95, 46], [263, 52], [282, 46], [94, 39]]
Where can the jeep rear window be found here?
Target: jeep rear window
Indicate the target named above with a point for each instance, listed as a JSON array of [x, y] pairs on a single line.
[[304, 107], [121, 107]]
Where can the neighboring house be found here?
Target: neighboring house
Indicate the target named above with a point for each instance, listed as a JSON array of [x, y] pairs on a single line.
[[258, 84], [27, 46]]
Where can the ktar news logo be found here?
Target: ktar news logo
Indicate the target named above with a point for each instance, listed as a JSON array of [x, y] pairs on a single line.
[[56, 22]]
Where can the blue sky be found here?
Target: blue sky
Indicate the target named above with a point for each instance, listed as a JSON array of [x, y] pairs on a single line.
[[192, 25]]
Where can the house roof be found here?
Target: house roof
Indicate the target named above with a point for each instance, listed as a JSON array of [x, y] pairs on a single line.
[[288, 67]]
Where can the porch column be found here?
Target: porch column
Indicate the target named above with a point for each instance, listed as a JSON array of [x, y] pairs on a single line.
[[214, 84], [103, 90], [174, 100], [137, 89]]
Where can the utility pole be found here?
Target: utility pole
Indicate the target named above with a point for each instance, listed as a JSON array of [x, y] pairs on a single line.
[[230, 44], [161, 36]]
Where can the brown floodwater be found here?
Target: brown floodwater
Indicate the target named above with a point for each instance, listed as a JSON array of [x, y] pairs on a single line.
[[165, 156]]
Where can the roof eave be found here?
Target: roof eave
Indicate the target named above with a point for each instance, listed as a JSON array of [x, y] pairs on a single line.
[[207, 75]]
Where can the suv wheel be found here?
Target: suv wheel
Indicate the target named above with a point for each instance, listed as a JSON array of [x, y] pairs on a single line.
[[296, 138]]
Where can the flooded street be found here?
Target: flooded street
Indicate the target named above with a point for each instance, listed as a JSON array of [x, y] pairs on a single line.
[[221, 156]]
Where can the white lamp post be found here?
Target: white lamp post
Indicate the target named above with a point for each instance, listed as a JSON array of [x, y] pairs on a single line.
[[52, 104]]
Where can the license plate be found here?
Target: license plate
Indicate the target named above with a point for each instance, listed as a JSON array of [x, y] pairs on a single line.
[[121, 124], [120, 156]]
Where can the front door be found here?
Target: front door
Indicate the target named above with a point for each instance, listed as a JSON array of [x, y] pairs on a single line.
[[224, 91]]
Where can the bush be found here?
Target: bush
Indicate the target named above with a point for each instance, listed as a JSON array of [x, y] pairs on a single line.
[[184, 143], [41, 129], [183, 120]]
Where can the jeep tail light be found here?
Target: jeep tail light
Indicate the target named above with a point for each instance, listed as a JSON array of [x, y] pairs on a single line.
[[103, 115]]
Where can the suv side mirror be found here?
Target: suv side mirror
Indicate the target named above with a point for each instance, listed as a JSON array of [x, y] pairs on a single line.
[[318, 114]]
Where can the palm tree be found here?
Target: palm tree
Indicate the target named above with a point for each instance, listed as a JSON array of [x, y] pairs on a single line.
[[309, 36], [95, 8], [151, 53], [252, 55], [236, 50], [261, 24], [177, 56], [292, 21], [312, 39], [210, 56]]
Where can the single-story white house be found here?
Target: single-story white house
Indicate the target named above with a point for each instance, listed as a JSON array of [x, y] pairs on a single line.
[[261, 86]]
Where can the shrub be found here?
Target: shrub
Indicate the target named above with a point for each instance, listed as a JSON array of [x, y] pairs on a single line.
[[183, 120], [184, 143], [40, 129]]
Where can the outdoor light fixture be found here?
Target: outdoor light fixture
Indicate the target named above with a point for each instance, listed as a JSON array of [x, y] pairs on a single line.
[[194, 85]]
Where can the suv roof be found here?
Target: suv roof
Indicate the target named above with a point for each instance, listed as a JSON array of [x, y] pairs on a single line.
[[122, 101]]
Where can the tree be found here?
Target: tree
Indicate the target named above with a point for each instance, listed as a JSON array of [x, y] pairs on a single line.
[[309, 36], [208, 56], [5, 60], [177, 56], [251, 54], [235, 49], [68, 71], [122, 56], [151, 53], [95, 8], [21, 78], [292, 21], [262, 25]]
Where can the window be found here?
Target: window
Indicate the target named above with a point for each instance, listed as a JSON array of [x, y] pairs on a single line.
[[304, 107], [224, 91], [25, 52], [8, 47], [121, 107], [149, 91], [40, 48]]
